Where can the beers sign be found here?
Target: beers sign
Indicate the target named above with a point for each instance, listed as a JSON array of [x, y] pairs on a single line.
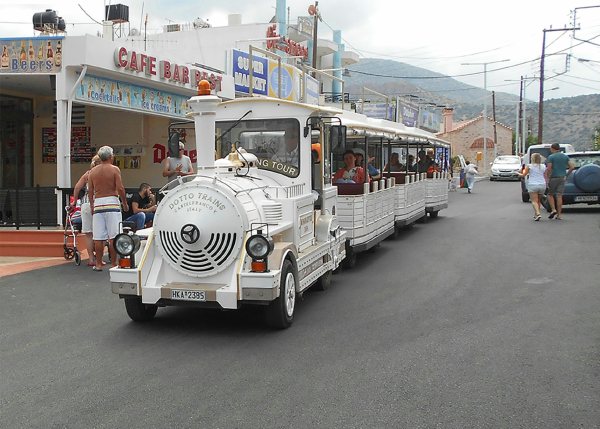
[[139, 62], [35, 55]]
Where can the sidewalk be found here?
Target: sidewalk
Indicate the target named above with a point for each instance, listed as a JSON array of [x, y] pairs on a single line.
[[10, 265]]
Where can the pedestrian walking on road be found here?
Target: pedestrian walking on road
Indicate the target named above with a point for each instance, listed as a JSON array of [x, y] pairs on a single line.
[[86, 212], [558, 167], [536, 183], [105, 187], [470, 173]]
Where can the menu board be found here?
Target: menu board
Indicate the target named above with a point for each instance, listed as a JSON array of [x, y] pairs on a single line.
[[49, 145], [81, 146]]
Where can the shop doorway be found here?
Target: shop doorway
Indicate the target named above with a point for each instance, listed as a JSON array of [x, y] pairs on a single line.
[[16, 142]]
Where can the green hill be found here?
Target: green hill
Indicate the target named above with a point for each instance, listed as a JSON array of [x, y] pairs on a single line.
[[566, 120]]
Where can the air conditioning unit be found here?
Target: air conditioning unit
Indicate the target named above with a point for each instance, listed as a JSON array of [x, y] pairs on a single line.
[[117, 13]]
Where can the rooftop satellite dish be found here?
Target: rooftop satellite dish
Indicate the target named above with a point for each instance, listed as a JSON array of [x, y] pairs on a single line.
[[312, 10]]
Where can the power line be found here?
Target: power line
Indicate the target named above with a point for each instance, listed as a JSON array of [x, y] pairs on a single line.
[[468, 74]]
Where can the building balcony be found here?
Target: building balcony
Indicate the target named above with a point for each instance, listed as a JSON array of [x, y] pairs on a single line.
[[349, 58], [326, 47]]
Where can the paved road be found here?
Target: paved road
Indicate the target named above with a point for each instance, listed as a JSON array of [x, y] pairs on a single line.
[[480, 318]]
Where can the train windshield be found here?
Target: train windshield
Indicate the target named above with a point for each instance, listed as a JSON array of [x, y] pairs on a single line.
[[275, 142]]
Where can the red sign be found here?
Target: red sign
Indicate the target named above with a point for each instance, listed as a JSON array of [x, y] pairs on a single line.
[[141, 63], [160, 153], [286, 45]]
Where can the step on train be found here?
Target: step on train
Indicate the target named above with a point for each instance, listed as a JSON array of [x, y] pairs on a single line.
[[271, 210]]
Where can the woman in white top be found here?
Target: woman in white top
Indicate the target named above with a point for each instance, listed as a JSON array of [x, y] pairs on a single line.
[[536, 184]]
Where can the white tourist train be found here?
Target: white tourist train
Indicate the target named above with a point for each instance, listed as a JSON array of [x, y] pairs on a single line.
[[268, 218]]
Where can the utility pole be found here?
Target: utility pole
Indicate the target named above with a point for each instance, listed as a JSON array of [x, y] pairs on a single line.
[[494, 117], [315, 25], [541, 102], [520, 117], [485, 166]]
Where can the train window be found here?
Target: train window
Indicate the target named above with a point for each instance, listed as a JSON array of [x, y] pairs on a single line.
[[275, 142]]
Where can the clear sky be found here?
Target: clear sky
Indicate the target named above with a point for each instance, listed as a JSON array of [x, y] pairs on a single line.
[[437, 35]]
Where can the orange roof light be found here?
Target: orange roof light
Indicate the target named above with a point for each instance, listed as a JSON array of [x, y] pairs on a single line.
[[204, 87]]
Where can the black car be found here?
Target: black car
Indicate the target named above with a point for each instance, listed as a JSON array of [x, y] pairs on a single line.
[[581, 186]]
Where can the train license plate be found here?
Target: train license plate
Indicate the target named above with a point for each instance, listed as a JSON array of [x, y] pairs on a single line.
[[188, 295], [586, 198]]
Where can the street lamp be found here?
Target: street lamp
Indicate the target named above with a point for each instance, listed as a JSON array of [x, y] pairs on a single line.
[[485, 104]]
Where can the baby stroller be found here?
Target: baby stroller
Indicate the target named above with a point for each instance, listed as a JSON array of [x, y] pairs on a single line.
[[72, 227]]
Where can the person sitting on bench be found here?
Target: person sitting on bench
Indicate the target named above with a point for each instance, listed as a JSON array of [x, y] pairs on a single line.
[[141, 207]]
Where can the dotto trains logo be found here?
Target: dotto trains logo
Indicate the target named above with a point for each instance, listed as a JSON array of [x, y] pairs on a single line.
[[196, 202]]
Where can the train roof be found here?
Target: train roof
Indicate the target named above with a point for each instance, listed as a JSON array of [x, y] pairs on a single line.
[[357, 123], [311, 109], [396, 132]]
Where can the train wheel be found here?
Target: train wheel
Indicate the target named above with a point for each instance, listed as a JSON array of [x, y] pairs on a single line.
[[350, 259], [280, 313], [433, 214], [324, 281], [137, 310]]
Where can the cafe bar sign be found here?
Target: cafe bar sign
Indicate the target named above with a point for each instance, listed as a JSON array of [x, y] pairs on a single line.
[[139, 62]]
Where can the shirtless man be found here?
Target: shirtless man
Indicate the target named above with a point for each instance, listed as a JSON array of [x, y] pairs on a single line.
[[105, 187]]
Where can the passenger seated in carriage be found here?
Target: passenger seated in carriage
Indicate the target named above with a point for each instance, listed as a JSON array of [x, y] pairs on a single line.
[[426, 163], [374, 173], [350, 173], [394, 165]]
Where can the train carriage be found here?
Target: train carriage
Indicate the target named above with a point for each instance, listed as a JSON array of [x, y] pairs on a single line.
[[261, 221]]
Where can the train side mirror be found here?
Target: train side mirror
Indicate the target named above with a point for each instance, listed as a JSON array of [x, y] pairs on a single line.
[[337, 136], [173, 144]]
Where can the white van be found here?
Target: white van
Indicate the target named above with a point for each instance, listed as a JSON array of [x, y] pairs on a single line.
[[544, 150]]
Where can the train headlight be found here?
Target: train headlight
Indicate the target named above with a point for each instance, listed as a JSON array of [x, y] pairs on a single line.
[[127, 244], [259, 246]]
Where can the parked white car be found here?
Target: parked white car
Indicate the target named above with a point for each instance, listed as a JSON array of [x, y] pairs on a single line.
[[506, 167]]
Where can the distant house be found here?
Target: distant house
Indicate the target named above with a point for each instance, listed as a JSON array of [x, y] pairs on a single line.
[[466, 137]]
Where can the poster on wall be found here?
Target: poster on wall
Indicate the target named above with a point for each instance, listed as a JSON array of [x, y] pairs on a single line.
[[108, 92], [128, 157], [81, 145], [31, 55]]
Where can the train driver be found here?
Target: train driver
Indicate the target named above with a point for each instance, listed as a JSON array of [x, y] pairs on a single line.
[[350, 173], [287, 152]]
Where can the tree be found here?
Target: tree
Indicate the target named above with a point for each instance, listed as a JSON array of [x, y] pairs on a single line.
[[531, 140], [596, 139]]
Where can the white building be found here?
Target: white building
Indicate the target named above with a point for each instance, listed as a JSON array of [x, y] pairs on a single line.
[[124, 93]]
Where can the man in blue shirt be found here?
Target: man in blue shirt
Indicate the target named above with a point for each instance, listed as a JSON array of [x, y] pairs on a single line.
[[558, 167]]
